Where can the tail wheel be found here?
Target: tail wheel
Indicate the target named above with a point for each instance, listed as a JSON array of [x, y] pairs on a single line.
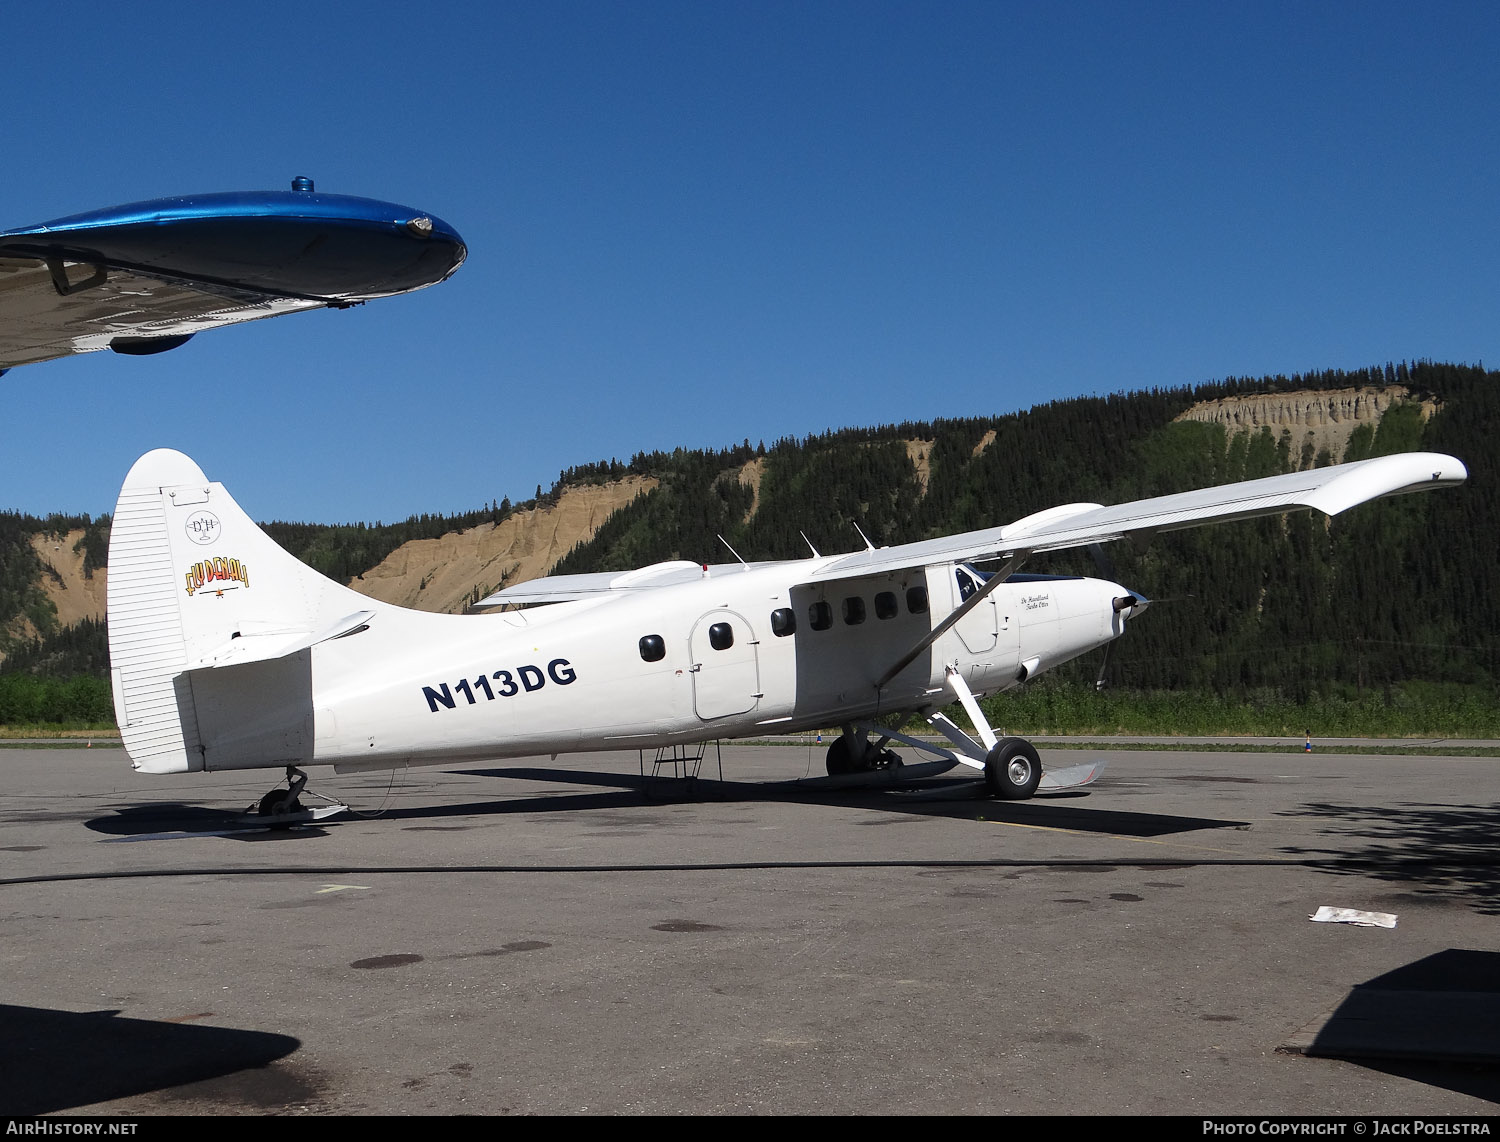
[[278, 803], [1012, 769]]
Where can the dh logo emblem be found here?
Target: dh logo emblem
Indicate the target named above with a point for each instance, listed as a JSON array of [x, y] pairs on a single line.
[[203, 528]]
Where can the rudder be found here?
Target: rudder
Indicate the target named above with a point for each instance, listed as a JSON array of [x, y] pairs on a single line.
[[147, 651]]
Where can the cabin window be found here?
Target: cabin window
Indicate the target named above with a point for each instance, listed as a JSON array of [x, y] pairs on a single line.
[[721, 636], [783, 622], [653, 648], [820, 615], [885, 605], [916, 600], [854, 610]]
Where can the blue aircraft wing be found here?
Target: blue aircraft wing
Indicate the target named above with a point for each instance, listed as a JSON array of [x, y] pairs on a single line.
[[145, 277]]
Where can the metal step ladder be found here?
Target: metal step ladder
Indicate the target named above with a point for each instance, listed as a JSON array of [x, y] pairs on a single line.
[[681, 763]]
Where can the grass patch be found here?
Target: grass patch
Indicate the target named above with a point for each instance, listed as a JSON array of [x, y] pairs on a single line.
[[66, 743], [106, 731]]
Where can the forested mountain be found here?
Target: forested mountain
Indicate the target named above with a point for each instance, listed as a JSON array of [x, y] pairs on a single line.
[[1393, 591]]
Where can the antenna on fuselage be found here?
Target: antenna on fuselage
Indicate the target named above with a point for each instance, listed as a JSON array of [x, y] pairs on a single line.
[[868, 545], [732, 551], [810, 547]]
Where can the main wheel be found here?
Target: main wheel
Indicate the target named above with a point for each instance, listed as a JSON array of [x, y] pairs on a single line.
[[840, 760], [1012, 769]]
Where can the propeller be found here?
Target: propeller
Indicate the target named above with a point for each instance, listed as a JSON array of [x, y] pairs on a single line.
[[1128, 605]]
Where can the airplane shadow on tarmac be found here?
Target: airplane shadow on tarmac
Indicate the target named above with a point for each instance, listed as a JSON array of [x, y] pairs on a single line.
[[955, 799], [952, 799], [176, 819], [57, 1060]]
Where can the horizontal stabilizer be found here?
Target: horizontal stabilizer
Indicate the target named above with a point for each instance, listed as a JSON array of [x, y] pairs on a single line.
[[252, 646]]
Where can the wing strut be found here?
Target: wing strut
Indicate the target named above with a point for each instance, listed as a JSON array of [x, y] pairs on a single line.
[[1012, 561]]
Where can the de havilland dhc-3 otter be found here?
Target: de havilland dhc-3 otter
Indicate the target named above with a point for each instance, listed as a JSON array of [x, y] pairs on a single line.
[[228, 653]]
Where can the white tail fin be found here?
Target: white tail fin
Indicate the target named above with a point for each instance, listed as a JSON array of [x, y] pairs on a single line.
[[195, 584]]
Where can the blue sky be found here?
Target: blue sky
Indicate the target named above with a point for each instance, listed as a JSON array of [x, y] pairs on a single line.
[[697, 223]]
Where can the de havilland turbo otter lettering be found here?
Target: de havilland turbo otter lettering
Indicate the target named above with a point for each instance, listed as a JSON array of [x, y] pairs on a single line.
[[228, 653]]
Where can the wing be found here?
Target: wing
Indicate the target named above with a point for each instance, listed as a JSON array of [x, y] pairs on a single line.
[[145, 277], [1330, 490]]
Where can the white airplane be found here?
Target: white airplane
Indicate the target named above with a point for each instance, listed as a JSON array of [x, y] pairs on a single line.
[[227, 653], [144, 278]]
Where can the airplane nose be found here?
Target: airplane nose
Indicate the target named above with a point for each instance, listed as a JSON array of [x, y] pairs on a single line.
[[1132, 602]]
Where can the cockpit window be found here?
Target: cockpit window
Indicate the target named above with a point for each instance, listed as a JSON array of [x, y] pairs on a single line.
[[969, 581]]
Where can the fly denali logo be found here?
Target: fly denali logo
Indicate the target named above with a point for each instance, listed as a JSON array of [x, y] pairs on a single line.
[[217, 575], [528, 678]]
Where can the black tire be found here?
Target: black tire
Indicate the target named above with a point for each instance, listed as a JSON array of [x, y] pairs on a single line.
[[839, 760], [278, 803], [1012, 769]]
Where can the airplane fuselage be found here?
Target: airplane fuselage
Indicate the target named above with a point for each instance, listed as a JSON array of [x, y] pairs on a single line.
[[734, 655]]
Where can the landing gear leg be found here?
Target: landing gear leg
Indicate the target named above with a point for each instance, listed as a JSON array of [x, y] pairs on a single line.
[[283, 808], [1012, 770]]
